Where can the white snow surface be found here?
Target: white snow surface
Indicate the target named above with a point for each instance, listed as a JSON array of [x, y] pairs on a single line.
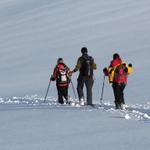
[[34, 33], [28, 123]]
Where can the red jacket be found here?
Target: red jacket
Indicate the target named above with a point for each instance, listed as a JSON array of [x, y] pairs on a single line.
[[115, 62]]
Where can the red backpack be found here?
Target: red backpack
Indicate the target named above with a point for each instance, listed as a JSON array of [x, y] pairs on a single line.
[[121, 73]]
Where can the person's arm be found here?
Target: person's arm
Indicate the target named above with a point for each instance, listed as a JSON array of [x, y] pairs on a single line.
[[54, 75], [69, 72], [94, 65], [78, 66]]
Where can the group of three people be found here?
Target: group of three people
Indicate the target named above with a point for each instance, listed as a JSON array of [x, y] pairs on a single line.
[[85, 65]]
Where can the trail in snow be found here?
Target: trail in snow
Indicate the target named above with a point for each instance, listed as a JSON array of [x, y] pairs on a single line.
[[137, 112], [131, 112]]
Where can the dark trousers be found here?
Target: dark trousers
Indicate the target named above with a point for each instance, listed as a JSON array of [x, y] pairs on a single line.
[[118, 89], [62, 93], [88, 81]]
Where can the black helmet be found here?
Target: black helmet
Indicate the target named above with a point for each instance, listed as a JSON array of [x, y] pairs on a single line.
[[84, 50], [60, 60], [116, 55]]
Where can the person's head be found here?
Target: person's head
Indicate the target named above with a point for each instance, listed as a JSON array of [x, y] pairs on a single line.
[[60, 60], [116, 55], [84, 50]]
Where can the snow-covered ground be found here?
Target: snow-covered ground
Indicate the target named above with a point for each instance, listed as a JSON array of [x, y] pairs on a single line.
[[33, 34], [28, 123]]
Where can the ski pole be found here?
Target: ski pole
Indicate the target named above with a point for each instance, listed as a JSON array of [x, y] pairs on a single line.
[[47, 91], [73, 89], [102, 92]]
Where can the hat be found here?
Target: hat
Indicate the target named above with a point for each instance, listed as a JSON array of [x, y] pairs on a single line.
[[60, 60], [116, 55], [84, 50]]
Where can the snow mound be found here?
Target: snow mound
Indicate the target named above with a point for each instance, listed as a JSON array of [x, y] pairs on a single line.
[[127, 116]]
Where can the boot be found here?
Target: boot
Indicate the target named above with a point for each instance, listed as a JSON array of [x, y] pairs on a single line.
[[116, 105]]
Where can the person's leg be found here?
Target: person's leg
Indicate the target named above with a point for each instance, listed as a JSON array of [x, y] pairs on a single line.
[[65, 93], [80, 85], [89, 84], [60, 95], [122, 87], [116, 91]]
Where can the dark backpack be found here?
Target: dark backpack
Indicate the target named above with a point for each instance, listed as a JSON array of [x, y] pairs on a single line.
[[121, 73], [62, 76], [86, 66]]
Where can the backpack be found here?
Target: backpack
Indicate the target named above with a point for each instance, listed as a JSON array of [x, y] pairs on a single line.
[[62, 76], [86, 66], [120, 73]]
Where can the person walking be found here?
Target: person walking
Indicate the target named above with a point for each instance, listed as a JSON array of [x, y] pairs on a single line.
[[85, 65], [61, 75], [117, 73]]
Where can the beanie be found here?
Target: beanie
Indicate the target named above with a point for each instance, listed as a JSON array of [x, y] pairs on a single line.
[[60, 60], [84, 50], [116, 55]]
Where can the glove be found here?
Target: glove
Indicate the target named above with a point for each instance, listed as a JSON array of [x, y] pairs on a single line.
[[52, 78], [130, 65], [70, 73], [105, 71]]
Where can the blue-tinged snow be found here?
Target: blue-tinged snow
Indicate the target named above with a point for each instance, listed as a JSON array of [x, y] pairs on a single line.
[[33, 34], [28, 123]]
